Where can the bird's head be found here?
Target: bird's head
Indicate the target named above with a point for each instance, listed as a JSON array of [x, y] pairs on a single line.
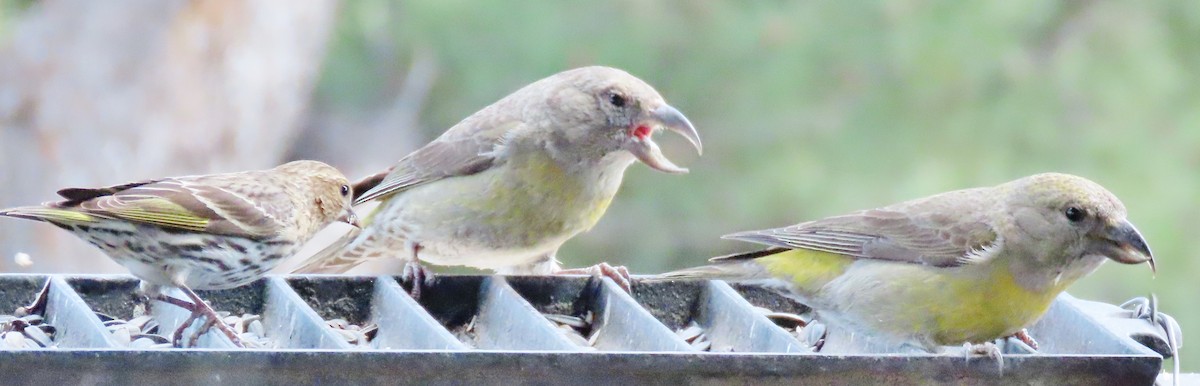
[[1061, 212], [325, 190], [598, 111]]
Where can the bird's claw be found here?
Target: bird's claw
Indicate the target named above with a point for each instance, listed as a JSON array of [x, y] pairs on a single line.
[[1025, 338], [1147, 308], [199, 308], [416, 276], [208, 323], [177, 336], [987, 350], [815, 333], [617, 273]]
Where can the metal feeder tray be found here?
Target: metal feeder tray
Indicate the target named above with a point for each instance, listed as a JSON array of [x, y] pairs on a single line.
[[499, 330]]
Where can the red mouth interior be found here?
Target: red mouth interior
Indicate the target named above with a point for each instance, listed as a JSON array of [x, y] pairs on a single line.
[[642, 131]]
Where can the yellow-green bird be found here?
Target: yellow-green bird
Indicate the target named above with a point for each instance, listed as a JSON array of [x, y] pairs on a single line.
[[213, 231], [967, 266], [506, 187]]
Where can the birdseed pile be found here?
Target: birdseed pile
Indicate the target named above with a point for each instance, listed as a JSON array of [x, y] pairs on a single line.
[[577, 329], [25, 330], [356, 335]]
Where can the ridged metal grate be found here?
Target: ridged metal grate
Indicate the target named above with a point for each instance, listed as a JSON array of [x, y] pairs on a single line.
[[494, 329]]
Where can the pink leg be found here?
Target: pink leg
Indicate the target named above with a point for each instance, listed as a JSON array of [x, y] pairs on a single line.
[[618, 274], [213, 319], [1024, 337], [415, 274]]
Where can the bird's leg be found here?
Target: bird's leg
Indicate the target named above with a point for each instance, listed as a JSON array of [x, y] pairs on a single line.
[[618, 273], [1024, 337], [184, 304], [986, 349], [203, 308], [816, 333], [415, 274], [208, 323], [177, 336]]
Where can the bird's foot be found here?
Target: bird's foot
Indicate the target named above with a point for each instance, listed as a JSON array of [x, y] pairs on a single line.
[[815, 334], [201, 308], [177, 336], [1172, 338], [987, 349], [618, 274], [416, 276], [1024, 337]]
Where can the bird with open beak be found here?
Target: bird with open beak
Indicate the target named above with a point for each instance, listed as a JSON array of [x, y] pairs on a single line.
[[507, 186]]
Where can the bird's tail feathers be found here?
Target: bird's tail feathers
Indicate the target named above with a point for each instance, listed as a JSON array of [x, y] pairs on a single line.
[[739, 270], [48, 214], [748, 255]]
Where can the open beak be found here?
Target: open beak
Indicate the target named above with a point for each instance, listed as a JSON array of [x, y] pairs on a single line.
[[350, 218], [1126, 245], [641, 144]]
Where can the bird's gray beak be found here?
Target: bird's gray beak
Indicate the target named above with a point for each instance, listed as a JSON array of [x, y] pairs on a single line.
[[1125, 244], [350, 218], [642, 145]]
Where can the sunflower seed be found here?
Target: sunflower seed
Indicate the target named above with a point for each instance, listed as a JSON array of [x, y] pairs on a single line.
[[691, 332], [256, 327], [37, 335], [568, 320], [349, 336], [786, 320], [141, 321], [142, 343], [337, 323], [33, 319], [150, 327], [120, 334], [14, 339], [154, 337], [370, 331]]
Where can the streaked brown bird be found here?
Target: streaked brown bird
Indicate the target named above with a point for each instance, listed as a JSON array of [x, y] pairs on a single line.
[[507, 186], [214, 231]]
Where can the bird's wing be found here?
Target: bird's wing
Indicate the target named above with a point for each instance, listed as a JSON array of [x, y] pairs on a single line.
[[463, 150], [939, 231], [218, 204]]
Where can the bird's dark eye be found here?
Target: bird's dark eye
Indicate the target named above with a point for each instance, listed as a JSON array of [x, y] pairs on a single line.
[[345, 190], [616, 100], [1075, 214]]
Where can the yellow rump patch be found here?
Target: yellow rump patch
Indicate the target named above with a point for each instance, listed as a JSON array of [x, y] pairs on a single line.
[[807, 269]]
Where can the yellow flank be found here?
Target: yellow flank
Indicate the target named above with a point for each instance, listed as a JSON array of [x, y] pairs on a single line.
[[808, 270], [969, 308], [530, 201], [971, 303]]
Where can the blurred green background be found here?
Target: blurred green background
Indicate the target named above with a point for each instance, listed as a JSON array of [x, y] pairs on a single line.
[[810, 109]]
